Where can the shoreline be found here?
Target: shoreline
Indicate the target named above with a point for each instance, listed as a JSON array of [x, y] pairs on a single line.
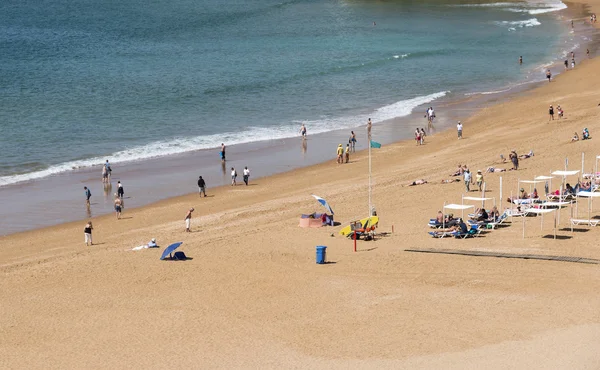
[[252, 296], [177, 173]]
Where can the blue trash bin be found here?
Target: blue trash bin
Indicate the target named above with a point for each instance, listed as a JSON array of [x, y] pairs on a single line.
[[321, 254]]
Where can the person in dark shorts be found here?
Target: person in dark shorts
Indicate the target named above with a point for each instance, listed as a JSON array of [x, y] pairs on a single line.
[[120, 190], [88, 195], [566, 64], [118, 205], [548, 75], [551, 113], [201, 186]]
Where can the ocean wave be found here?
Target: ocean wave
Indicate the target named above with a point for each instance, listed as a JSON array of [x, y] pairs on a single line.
[[531, 7], [251, 134], [524, 23]]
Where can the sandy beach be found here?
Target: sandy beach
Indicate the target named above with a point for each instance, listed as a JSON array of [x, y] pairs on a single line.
[[253, 297]]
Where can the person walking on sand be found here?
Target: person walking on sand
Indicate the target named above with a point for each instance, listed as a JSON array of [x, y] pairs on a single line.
[[418, 136], [514, 158], [222, 152], [347, 153], [479, 179], [88, 195], [566, 64], [369, 125], [118, 204], [459, 129], [201, 186], [87, 231], [551, 113], [423, 134], [467, 177], [352, 141], [120, 190], [188, 220], [246, 175], [548, 75], [233, 176], [303, 131], [104, 174], [340, 154]]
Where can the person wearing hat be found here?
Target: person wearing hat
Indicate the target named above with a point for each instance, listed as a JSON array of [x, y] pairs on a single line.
[[152, 243], [188, 220], [340, 154], [479, 179], [459, 128]]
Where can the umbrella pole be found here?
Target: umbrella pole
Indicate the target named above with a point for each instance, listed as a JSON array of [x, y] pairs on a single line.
[[523, 226], [554, 227]]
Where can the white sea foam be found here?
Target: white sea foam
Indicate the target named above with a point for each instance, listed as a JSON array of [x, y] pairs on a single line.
[[530, 7], [251, 134], [524, 23]]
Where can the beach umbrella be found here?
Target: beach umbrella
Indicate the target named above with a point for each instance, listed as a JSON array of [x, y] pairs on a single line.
[[168, 250], [323, 203]]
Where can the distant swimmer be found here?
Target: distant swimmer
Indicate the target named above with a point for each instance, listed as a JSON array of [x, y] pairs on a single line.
[[520, 60], [374, 24], [303, 131], [548, 75], [572, 24]]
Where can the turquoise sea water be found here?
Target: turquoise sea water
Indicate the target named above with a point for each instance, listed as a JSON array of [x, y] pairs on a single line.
[[81, 81]]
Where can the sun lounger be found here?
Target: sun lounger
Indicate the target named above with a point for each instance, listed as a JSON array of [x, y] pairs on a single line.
[[578, 222], [443, 234], [473, 232], [503, 217]]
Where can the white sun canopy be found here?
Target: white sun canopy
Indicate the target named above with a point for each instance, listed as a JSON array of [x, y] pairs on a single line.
[[531, 181], [458, 206], [588, 194], [476, 198], [555, 204], [565, 173], [544, 178], [540, 210]]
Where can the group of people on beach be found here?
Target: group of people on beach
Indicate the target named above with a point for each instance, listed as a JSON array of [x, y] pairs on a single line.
[[585, 135]]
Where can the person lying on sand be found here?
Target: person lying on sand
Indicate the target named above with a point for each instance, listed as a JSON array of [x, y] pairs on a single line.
[[417, 182], [525, 156], [448, 181], [495, 169]]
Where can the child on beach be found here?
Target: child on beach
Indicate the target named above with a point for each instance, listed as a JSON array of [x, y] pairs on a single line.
[[87, 230], [418, 136], [188, 220], [347, 153], [118, 203], [560, 111]]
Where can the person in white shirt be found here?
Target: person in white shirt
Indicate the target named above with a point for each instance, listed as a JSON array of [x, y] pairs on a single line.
[[246, 175], [459, 128], [233, 176]]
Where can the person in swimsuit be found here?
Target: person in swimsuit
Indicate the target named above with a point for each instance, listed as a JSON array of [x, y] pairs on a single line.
[[551, 113], [521, 60], [352, 141], [369, 124], [548, 75], [118, 204], [104, 174], [222, 152], [566, 64], [188, 220], [87, 231], [303, 131]]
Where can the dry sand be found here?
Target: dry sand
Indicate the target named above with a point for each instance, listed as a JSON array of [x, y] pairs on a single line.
[[253, 297]]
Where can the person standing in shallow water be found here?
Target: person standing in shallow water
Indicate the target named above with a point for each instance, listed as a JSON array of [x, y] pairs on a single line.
[[548, 75], [223, 152]]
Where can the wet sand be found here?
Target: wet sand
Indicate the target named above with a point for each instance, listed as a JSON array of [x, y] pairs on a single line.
[[253, 297]]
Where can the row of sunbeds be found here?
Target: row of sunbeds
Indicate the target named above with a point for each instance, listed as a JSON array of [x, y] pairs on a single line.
[[474, 227]]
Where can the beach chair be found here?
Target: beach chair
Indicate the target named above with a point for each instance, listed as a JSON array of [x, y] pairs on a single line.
[[579, 222], [503, 217], [443, 234], [473, 232], [434, 224]]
